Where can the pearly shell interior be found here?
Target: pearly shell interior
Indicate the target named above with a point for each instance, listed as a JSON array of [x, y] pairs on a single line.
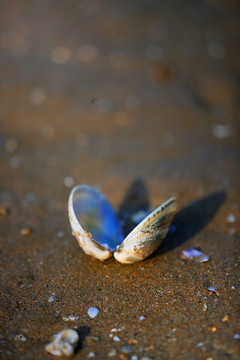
[[97, 229]]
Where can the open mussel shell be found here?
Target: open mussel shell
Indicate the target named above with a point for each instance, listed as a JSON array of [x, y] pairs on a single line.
[[97, 228], [94, 222]]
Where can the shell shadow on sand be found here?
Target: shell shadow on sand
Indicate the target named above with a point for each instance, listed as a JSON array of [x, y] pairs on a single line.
[[187, 223]]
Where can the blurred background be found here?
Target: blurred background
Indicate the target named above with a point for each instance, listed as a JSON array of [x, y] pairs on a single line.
[[103, 92]]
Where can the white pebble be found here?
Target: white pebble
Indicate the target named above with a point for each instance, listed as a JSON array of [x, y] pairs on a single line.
[[236, 336], [91, 354], [116, 338], [134, 357], [114, 330], [142, 317], [231, 218], [92, 312], [20, 337], [63, 343]]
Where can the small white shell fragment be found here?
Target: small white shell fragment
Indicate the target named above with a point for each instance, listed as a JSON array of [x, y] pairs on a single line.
[[112, 353], [114, 330], [116, 338], [20, 337], [211, 288], [92, 312], [52, 298], [195, 254], [63, 343], [70, 318]]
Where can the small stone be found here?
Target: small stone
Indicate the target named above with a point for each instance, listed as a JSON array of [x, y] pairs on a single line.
[[126, 349], [112, 353], [236, 336], [134, 357], [225, 318], [20, 337], [26, 231], [114, 330], [146, 358], [116, 338], [63, 343], [3, 210], [213, 328], [142, 317], [92, 312], [91, 355]]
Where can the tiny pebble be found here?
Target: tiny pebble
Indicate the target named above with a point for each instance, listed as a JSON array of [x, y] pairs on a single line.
[[26, 231], [20, 337], [225, 318], [92, 312], [3, 210], [200, 344], [146, 358], [231, 218], [91, 355], [114, 330], [142, 317], [112, 353], [126, 349], [134, 357], [236, 336], [233, 287], [116, 338]]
